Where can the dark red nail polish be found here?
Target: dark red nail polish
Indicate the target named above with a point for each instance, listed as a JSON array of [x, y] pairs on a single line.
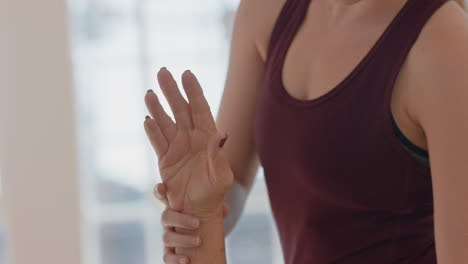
[[147, 117], [222, 141], [150, 91]]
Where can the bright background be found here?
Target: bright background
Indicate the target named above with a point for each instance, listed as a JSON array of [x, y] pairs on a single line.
[[118, 46], [76, 168], [115, 48]]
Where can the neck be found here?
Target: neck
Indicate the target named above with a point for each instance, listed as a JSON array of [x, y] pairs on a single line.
[[346, 3], [340, 9]]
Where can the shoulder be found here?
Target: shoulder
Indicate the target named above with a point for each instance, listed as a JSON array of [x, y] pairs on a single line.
[[440, 68], [444, 34], [438, 62], [260, 16]]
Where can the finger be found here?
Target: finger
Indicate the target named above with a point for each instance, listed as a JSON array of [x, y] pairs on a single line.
[[175, 219], [173, 239], [156, 110], [201, 114], [179, 106], [171, 258], [157, 139], [169, 250], [160, 193]]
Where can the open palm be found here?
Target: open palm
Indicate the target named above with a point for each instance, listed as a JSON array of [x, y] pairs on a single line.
[[190, 162]]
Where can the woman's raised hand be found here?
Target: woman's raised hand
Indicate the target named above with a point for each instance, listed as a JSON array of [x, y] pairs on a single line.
[[191, 162]]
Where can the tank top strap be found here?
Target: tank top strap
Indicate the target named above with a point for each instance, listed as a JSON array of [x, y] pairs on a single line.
[[287, 23], [400, 38]]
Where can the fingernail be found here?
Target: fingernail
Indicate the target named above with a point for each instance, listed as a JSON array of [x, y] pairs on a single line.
[[222, 141], [197, 241], [147, 117], [150, 91], [183, 261], [162, 68]]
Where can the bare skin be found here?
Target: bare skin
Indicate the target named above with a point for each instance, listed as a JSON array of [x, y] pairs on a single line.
[[309, 75], [191, 162]]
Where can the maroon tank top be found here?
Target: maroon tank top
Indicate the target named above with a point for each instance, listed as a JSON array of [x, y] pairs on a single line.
[[341, 186]]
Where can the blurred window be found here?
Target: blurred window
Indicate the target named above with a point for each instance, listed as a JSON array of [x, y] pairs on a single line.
[[118, 46]]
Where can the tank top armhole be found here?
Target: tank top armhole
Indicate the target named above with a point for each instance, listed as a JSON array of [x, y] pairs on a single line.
[[406, 141], [421, 155], [405, 48]]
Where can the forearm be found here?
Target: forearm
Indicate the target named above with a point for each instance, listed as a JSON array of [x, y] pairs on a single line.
[[211, 227], [235, 199], [212, 248]]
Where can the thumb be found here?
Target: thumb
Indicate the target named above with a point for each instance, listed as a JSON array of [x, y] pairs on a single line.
[[219, 165]]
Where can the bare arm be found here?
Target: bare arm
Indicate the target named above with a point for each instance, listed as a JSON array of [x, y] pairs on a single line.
[[251, 34], [253, 21], [440, 106], [235, 117]]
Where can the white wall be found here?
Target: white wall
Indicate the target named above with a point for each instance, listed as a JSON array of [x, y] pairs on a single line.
[[40, 177]]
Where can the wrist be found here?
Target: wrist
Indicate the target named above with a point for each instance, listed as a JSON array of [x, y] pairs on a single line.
[[207, 214], [212, 247]]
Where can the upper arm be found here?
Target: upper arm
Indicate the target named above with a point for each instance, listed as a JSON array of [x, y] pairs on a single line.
[[244, 78], [442, 111], [236, 111]]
